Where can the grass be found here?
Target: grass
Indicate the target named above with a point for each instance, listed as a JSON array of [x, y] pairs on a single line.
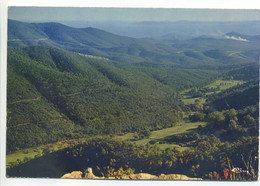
[[180, 129], [187, 100], [31, 152], [222, 84], [183, 128], [155, 135], [19, 155]]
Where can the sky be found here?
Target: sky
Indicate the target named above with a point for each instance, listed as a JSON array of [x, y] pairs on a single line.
[[43, 14]]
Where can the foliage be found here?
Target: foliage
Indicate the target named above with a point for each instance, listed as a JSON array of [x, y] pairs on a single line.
[[236, 97], [197, 116], [107, 155], [48, 86], [110, 84]]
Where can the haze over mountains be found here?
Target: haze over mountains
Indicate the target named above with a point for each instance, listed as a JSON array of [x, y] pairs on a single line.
[[201, 50], [185, 29]]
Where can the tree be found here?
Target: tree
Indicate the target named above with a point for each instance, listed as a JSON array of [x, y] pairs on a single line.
[[196, 136], [249, 121], [194, 170], [198, 105], [216, 117], [232, 125], [245, 153], [204, 146], [216, 120], [198, 116], [231, 115], [144, 133]]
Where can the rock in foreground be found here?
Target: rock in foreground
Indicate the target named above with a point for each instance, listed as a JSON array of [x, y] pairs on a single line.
[[139, 176]]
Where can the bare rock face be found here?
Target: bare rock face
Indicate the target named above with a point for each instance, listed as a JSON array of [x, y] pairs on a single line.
[[140, 176], [176, 177], [74, 174], [89, 174]]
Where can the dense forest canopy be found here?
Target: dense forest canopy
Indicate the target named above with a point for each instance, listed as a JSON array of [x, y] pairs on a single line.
[[89, 88], [93, 96]]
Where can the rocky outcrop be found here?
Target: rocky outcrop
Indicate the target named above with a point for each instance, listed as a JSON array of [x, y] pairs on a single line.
[[176, 177], [89, 174], [140, 176], [74, 174]]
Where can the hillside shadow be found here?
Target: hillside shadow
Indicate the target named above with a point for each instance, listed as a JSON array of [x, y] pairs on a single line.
[[49, 166]]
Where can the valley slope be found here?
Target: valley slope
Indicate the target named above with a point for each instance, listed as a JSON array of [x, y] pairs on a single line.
[[132, 85], [102, 96], [54, 94]]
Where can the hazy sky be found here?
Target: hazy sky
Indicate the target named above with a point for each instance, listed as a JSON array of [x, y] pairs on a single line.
[[38, 14]]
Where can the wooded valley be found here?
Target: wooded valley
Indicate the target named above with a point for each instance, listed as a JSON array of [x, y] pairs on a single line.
[[84, 97]]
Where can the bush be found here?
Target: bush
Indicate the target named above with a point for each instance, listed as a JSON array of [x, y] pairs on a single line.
[[198, 116]]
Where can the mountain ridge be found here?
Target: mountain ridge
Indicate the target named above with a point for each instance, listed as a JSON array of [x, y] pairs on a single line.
[[124, 49]]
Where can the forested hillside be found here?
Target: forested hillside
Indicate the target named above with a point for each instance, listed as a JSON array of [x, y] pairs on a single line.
[[238, 97], [54, 94], [84, 97]]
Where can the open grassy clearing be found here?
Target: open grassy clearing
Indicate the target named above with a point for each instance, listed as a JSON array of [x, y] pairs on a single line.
[[188, 100], [19, 155], [180, 129], [184, 128], [32, 152], [221, 84], [155, 135], [224, 84]]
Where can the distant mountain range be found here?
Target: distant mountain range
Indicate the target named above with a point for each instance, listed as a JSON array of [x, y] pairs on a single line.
[[170, 50], [158, 29]]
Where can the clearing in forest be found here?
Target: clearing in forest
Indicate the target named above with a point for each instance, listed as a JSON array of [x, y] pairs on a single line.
[[183, 128], [219, 84]]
